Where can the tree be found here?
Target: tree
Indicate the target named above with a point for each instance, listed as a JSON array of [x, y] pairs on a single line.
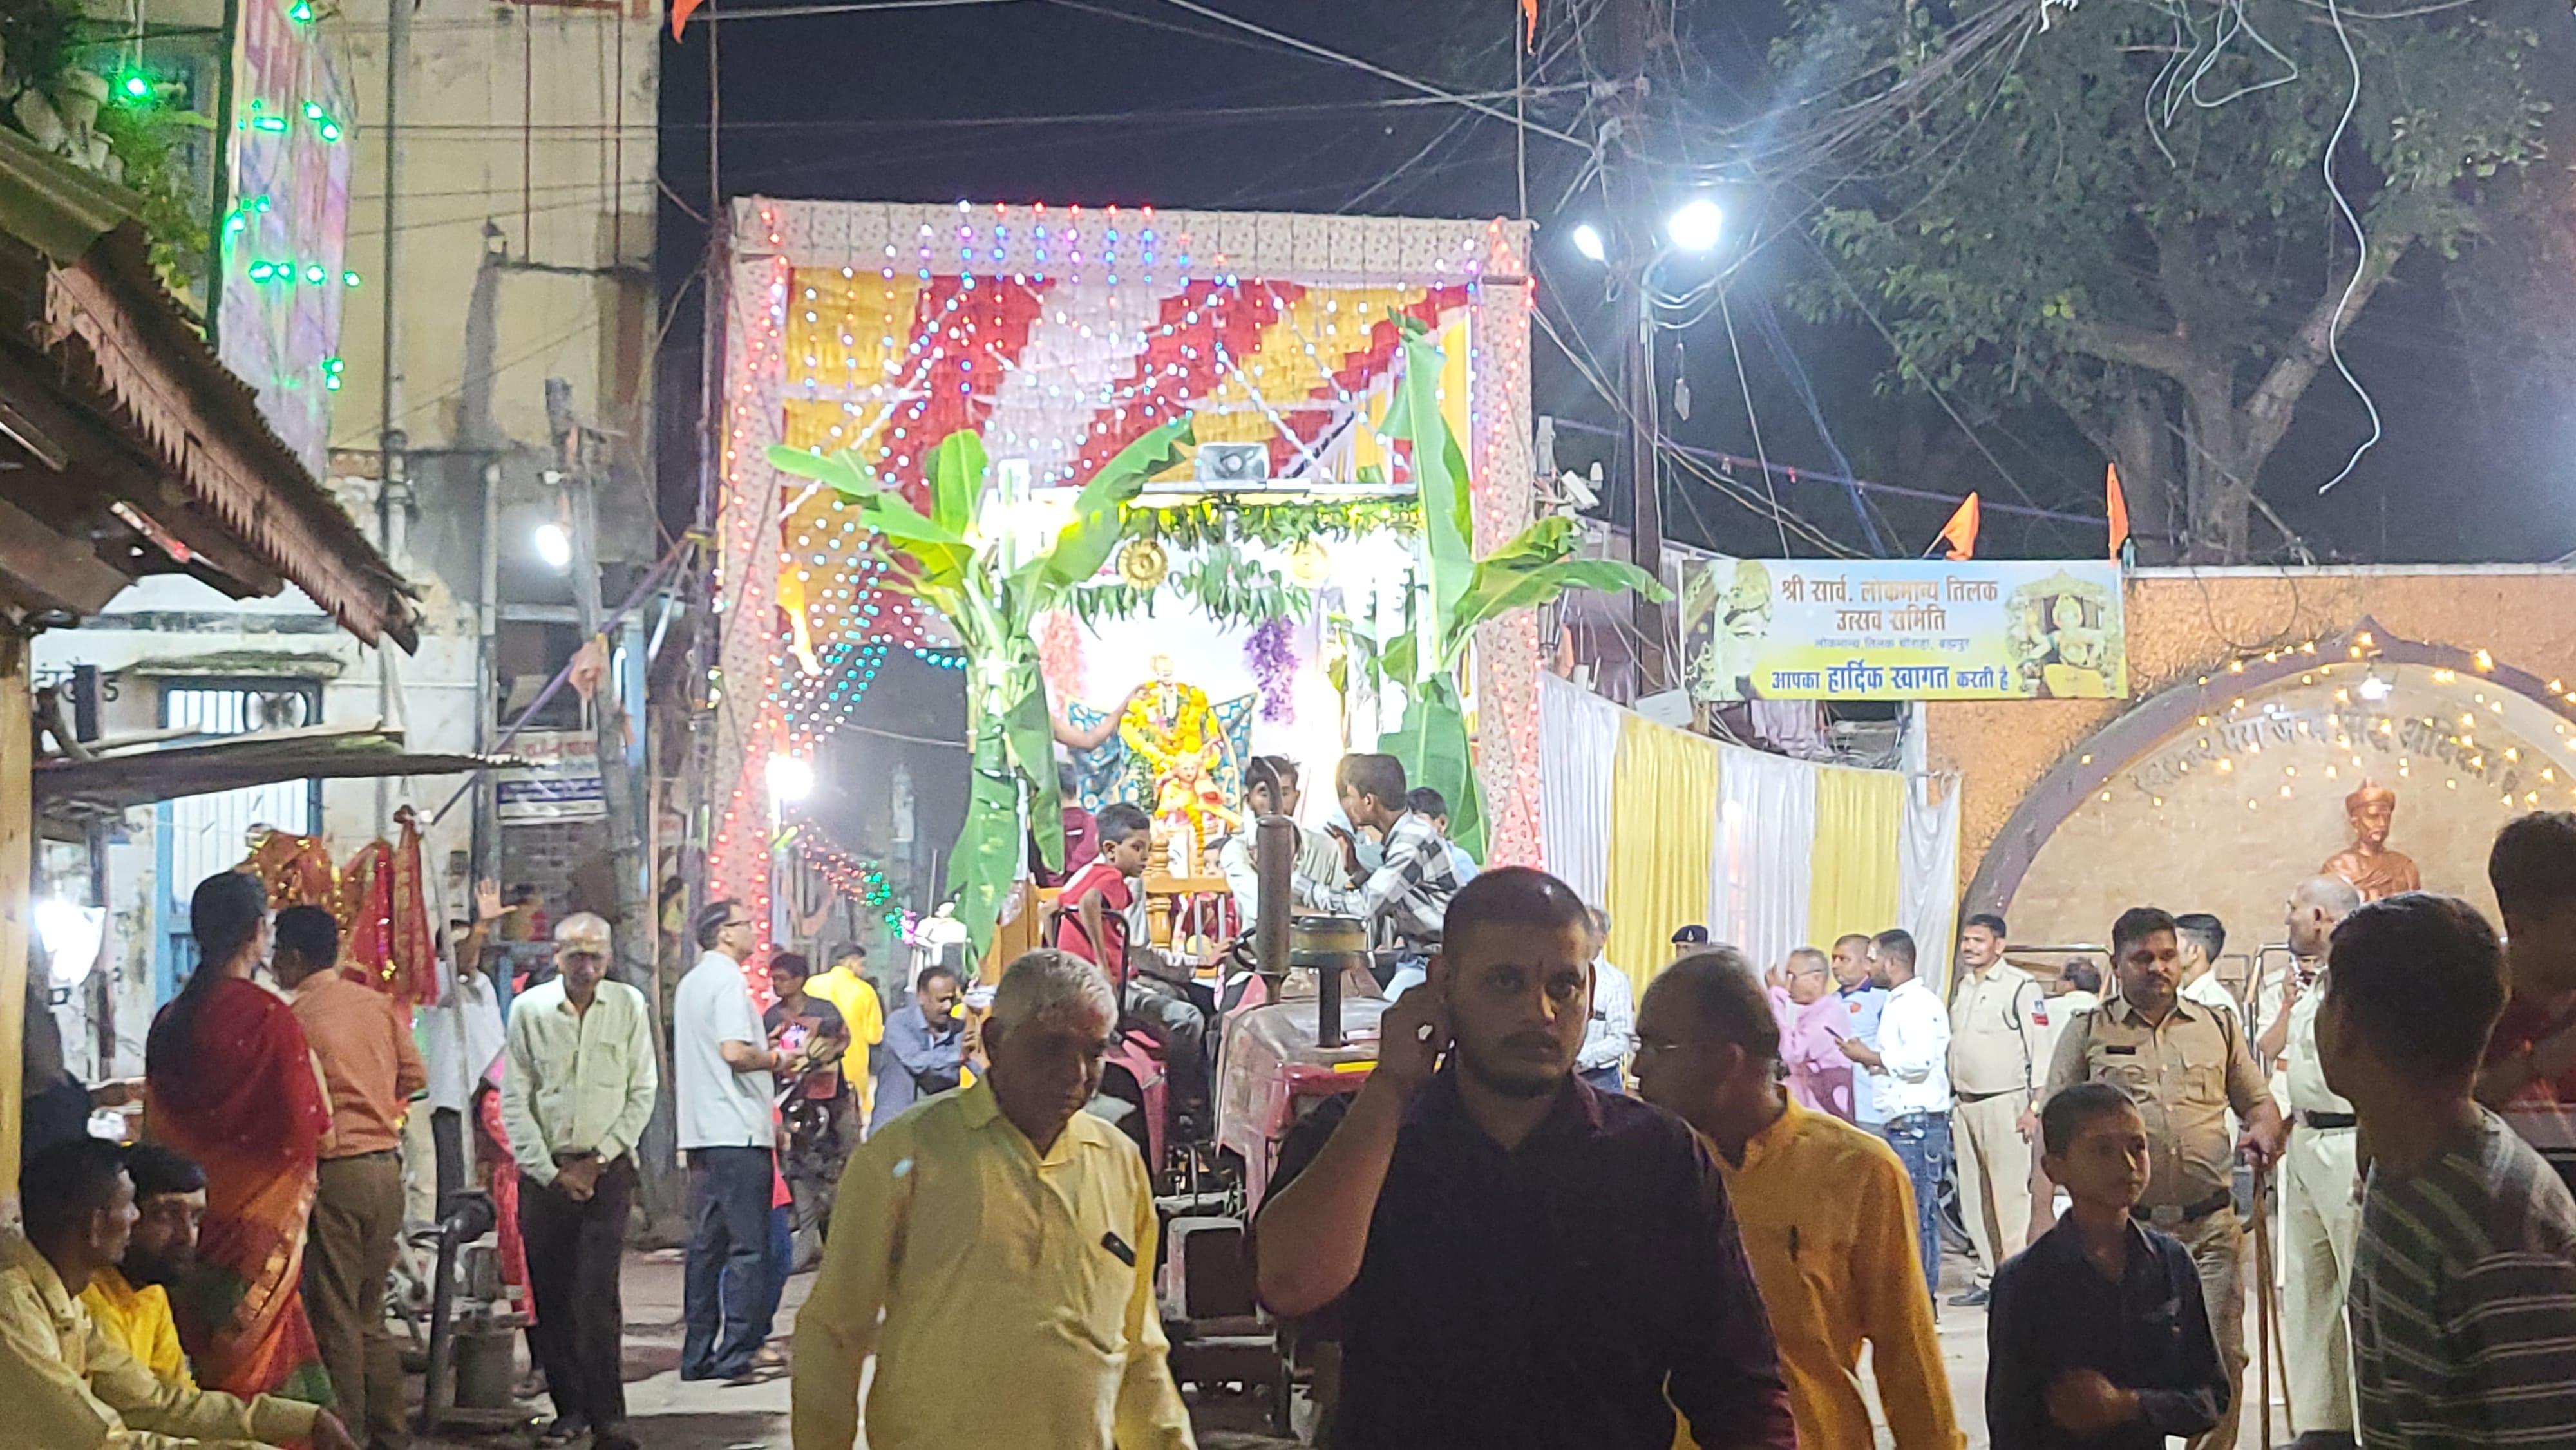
[[2124, 208]]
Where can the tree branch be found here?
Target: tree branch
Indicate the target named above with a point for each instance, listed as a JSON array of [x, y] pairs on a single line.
[[2268, 409]]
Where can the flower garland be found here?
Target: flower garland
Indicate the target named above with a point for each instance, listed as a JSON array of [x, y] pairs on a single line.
[[1272, 652]]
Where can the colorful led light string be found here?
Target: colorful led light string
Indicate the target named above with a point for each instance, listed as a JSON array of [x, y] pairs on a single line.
[[863, 882]]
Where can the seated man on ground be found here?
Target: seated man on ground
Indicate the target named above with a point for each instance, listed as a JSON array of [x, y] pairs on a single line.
[[129, 1302], [66, 1385]]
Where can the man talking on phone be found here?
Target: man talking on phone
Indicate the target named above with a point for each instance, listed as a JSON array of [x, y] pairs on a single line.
[[1521, 1261]]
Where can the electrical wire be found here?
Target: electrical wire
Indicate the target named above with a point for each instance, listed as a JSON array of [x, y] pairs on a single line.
[[2361, 260], [1371, 67], [1761, 454]]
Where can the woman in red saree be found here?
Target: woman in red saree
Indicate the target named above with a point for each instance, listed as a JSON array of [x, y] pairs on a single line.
[[231, 1083]]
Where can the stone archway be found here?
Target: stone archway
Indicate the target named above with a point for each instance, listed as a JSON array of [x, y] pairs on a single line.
[[2219, 793]]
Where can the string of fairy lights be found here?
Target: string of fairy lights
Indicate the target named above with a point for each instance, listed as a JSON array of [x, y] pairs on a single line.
[[861, 881], [2372, 736], [1075, 318]]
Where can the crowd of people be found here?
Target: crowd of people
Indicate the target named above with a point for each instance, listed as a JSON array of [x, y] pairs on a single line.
[[1553, 1213]]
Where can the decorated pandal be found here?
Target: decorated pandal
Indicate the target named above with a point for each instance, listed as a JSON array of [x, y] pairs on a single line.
[[1255, 579]]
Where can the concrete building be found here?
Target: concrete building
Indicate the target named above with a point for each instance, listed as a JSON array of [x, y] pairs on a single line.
[[498, 228]]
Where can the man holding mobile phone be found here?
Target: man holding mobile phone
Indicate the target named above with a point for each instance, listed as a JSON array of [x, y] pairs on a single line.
[[1520, 1260]]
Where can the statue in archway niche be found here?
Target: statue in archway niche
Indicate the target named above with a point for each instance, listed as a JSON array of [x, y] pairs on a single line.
[[2369, 864]]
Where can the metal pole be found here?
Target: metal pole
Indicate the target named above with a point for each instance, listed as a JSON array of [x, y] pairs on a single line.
[[393, 489], [1274, 853]]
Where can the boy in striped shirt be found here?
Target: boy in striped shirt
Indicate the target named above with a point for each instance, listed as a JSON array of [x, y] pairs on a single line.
[[2463, 1298]]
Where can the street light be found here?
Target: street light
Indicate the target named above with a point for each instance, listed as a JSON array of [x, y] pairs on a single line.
[[1697, 226], [791, 778], [554, 546], [1587, 240]]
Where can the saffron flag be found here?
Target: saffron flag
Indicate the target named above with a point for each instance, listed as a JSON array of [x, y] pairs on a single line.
[[1960, 533], [2116, 504], [1529, 23], [681, 10]]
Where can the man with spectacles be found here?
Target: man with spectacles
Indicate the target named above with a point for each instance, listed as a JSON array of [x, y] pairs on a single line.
[[725, 1071], [1810, 1018]]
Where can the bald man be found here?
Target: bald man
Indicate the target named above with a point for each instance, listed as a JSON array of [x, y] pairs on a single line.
[[2319, 1218]]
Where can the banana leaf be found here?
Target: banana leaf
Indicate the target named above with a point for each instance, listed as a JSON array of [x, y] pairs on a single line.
[[1439, 475], [1432, 743], [941, 554], [956, 481], [987, 858], [1031, 738], [1099, 519]]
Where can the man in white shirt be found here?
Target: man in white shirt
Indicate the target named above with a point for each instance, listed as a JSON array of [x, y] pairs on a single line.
[[2321, 1223], [723, 1070], [579, 1088], [1910, 1080], [2202, 937], [1612, 1033]]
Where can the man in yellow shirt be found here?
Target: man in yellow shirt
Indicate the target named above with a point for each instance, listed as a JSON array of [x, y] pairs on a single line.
[[1824, 1208], [64, 1385], [997, 1224], [845, 985], [128, 1302]]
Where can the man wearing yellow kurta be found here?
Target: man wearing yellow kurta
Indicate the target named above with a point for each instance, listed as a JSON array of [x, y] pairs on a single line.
[[64, 1385], [1824, 1208], [997, 1224]]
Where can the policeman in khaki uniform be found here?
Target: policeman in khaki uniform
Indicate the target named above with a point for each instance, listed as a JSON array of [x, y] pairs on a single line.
[[2320, 1221], [2185, 1067], [1998, 1040]]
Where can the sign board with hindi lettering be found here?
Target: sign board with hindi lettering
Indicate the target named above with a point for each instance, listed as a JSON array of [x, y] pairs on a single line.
[[560, 782], [1904, 629]]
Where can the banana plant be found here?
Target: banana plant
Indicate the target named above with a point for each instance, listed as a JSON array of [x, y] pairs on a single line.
[[1465, 592], [991, 601]]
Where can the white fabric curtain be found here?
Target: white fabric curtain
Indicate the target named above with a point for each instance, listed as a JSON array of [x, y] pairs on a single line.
[[1927, 874], [1578, 746], [1761, 868]]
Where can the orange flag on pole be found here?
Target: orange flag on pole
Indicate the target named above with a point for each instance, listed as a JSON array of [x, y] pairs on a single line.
[[681, 10], [2116, 504], [1529, 24], [1960, 533]]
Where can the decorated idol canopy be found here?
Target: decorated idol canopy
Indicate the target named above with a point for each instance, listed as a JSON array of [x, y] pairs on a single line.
[[1172, 489]]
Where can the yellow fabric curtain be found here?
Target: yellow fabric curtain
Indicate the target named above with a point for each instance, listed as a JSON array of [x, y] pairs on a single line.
[[1663, 822], [1860, 818]]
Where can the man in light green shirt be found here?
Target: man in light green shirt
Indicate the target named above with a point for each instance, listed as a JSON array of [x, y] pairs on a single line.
[[574, 1098]]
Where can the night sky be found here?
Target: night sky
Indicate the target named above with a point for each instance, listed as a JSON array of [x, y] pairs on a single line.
[[870, 106]]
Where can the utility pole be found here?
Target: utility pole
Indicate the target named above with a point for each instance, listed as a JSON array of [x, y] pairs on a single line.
[[1635, 240], [637, 939], [393, 480]]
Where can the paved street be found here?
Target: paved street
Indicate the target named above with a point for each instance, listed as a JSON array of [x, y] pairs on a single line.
[[670, 1415]]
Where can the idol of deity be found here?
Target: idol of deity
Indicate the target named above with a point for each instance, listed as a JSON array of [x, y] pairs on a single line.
[[1165, 720], [2374, 869]]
